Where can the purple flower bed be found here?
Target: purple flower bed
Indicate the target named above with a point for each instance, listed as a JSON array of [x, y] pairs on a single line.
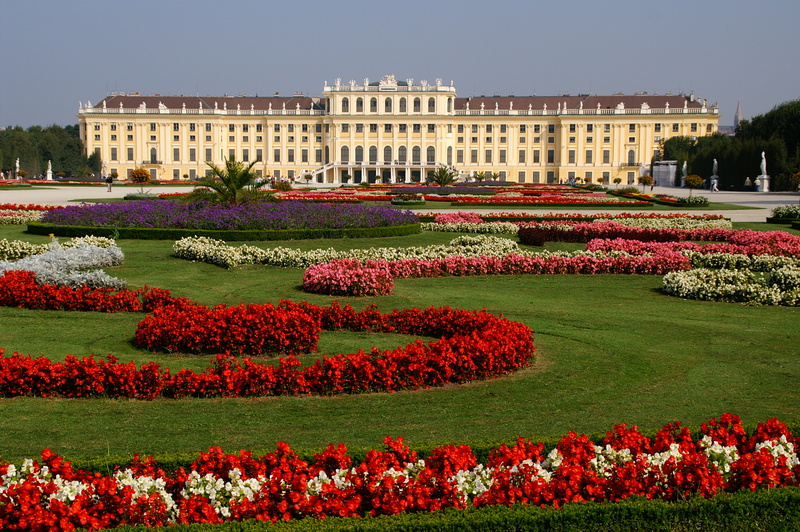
[[254, 216]]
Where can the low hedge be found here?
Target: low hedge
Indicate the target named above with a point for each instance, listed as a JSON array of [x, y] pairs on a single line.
[[152, 233], [773, 510], [785, 221]]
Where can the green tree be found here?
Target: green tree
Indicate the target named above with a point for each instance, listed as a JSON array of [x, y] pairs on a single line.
[[645, 180], [480, 176], [95, 163], [442, 176], [234, 184]]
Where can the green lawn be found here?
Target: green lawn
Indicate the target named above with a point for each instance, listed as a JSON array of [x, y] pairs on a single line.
[[610, 349]]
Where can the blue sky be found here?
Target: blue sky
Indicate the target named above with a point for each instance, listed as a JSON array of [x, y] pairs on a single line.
[[54, 54]]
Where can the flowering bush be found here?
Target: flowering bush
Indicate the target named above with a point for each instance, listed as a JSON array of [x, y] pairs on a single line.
[[781, 287], [348, 277], [786, 211], [52, 495], [19, 217]]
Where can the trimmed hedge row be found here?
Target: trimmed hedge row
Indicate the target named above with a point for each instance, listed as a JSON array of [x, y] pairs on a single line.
[[151, 233], [774, 510]]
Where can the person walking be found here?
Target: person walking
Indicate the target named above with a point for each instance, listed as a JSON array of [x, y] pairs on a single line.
[[109, 181], [714, 183]]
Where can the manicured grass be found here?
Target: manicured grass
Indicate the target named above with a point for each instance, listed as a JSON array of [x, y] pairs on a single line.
[[610, 349]]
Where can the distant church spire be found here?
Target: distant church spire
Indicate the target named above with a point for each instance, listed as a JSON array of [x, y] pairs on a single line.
[[737, 118]]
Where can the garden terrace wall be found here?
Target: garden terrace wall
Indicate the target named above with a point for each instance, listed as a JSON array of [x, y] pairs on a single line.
[[150, 233]]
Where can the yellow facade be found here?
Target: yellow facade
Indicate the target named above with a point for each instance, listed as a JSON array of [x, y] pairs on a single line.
[[392, 131]]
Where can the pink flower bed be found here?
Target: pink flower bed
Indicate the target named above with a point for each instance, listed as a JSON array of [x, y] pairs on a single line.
[[348, 277]]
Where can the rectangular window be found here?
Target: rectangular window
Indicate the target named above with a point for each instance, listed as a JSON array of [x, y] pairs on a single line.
[[488, 140], [503, 140], [551, 176], [152, 126], [488, 128], [245, 155], [522, 140], [522, 128], [208, 138], [345, 128], [276, 155], [276, 128], [606, 176], [231, 138], [572, 140], [536, 176], [113, 137], [259, 154], [259, 128], [589, 157], [606, 140], [551, 128], [245, 139], [460, 128], [657, 138], [571, 156], [460, 140], [113, 126], [536, 157], [606, 156], [503, 128], [403, 128], [304, 138], [694, 127], [208, 128], [176, 154], [606, 128], [473, 156], [387, 128], [303, 156], [359, 128], [317, 156], [537, 140], [474, 140], [474, 128], [537, 128], [231, 153], [291, 128], [551, 139], [589, 176], [290, 156], [522, 156], [551, 156], [373, 128], [431, 128], [631, 139], [459, 156], [129, 127], [113, 154], [632, 128], [658, 128], [589, 140], [572, 128], [675, 128], [130, 137], [192, 154], [416, 128], [590, 128], [208, 154], [502, 156], [245, 128], [290, 138], [231, 128], [176, 127], [152, 138], [276, 138], [192, 138], [488, 157], [304, 128], [521, 176]]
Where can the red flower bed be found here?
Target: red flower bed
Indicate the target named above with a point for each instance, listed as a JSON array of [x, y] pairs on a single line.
[[52, 495], [243, 329], [544, 200], [473, 345], [536, 233], [28, 207], [18, 288], [348, 277]]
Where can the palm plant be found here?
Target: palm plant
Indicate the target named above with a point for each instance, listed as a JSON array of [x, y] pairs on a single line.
[[442, 176], [234, 184]]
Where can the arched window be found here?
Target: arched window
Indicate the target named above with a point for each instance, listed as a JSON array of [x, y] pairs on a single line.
[[449, 105], [402, 154], [415, 154], [431, 154], [631, 158], [387, 105], [345, 105], [359, 105], [373, 154], [387, 154], [359, 154], [449, 156], [402, 105], [417, 105], [373, 105], [153, 156], [431, 105], [345, 154]]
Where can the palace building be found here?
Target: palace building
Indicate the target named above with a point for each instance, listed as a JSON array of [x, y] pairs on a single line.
[[392, 131]]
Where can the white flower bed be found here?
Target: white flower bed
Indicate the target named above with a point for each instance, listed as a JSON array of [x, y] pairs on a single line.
[[73, 265], [671, 223], [19, 217], [736, 286], [503, 228]]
